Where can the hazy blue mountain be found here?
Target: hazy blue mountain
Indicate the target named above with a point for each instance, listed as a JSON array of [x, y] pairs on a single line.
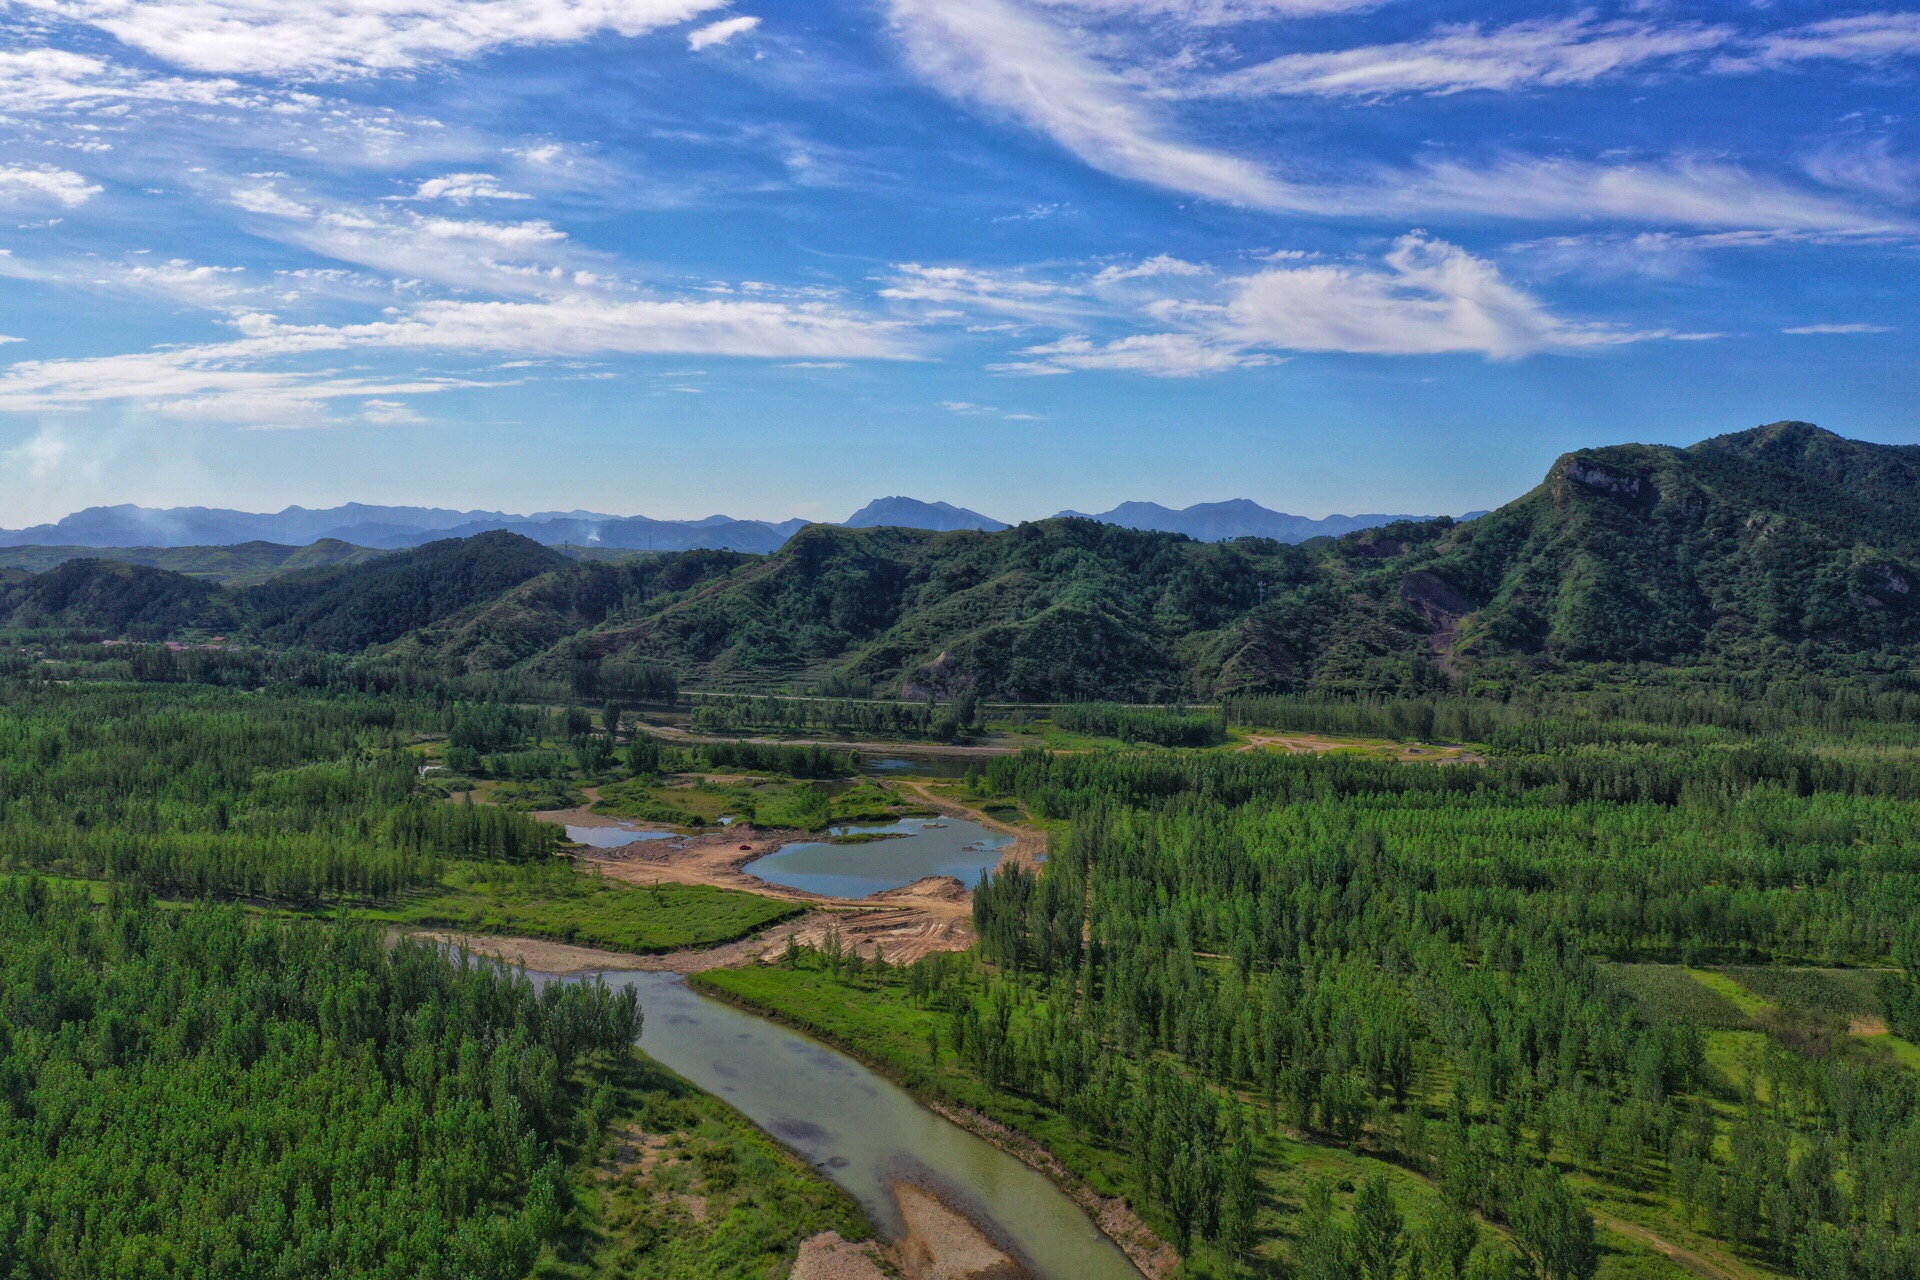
[[911, 513], [399, 528], [1236, 518], [130, 526]]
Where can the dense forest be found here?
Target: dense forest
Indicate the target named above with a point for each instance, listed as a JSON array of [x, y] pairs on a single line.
[[202, 1093], [1501, 976], [1781, 547]]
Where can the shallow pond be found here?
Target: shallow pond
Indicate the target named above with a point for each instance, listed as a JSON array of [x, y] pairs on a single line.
[[864, 1132], [909, 764], [614, 837], [908, 850]]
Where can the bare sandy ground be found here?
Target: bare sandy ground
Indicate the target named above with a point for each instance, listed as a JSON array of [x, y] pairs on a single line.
[[828, 1257], [941, 1244]]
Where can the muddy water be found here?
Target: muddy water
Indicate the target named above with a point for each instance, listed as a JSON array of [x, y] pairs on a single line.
[[865, 1133], [908, 850]]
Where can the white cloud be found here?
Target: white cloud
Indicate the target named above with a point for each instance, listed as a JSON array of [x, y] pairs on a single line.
[[1424, 297], [1431, 298], [34, 81], [6, 338], [504, 235], [1003, 58], [266, 200], [720, 32], [1696, 193], [1160, 264], [1542, 52], [1868, 37], [390, 412], [44, 184], [1009, 60], [597, 325], [462, 187], [332, 39], [978, 288], [1838, 328], [1165, 355], [245, 379], [1205, 13]]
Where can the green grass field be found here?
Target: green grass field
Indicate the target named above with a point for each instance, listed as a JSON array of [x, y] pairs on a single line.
[[563, 904], [1669, 991], [1839, 993]]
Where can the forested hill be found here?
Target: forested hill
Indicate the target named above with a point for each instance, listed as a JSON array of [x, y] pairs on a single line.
[[1784, 543], [1781, 546]]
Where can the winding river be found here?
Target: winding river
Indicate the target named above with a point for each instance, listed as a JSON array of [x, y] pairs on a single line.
[[864, 1132]]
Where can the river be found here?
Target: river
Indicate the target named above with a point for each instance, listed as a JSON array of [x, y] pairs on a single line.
[[864, 1132]]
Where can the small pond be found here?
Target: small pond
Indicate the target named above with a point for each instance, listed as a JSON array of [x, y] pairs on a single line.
[[907, 763], [902, 852], [614, 837]]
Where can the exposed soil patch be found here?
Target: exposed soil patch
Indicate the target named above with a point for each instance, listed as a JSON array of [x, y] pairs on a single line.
[[828, 1257], [941, 1244]]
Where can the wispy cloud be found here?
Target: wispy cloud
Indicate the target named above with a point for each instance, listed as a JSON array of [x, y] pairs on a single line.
[[1867, 37], [1542, 52], [338, 39], [716, 33], [233, 380], [1006, 60], [947, 290], [1011, 61], [1161, 355], [1838, 328], [1215, 12]]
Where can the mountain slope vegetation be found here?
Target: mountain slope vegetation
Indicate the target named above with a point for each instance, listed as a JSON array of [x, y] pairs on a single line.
[[1785, 544]]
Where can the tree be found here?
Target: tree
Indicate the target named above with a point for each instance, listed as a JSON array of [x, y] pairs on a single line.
[[1378, 1229], [1553, 1226], [1447, 1239], [643, 754], [1326, 1249]]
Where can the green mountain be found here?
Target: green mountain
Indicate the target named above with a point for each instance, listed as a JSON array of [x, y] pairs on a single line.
[[127, 600], [242, 564], [1781, 546], [347, 608], [1784, 542]]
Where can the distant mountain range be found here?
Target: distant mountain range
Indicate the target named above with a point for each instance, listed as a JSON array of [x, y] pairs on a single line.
[[1238, 518], [1782, 548], [395, 528]]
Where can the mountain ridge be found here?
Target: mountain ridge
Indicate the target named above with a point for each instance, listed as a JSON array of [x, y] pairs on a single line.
[[1781, 548], [388, 528]]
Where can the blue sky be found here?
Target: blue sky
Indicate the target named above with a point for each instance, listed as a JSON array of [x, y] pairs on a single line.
[[776, 257]]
